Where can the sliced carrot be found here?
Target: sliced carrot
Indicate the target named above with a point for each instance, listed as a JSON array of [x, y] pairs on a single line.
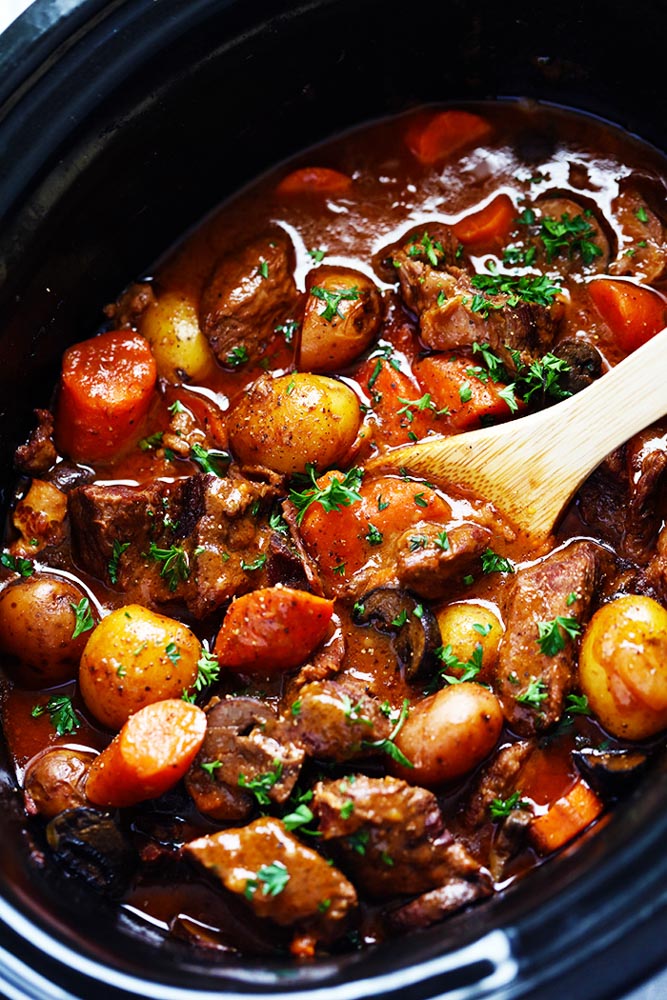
[[149, 755], [272, 629], [566, 818], [106, 388], [633, 312], [343, 541], [402, 414], [453, 385], [489, 226], [315, 180], [444, 133]]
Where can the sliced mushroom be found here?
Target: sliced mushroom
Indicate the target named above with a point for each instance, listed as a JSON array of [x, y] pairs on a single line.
[[585, 364], [611, 773], [89, 845], [413, 627]]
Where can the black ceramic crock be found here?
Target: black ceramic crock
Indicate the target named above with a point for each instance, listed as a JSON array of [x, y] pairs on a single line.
[[121, 123]]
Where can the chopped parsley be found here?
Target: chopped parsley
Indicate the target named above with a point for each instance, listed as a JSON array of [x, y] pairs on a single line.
[[277, 523], [333, 300], [552, 635], [358, 841], [211, 460], [175, 563], [288, 329], [336, 494], [534, 695], [426, 247], [500, 808], [238, 356], [17, 564], [211, 767], [263, 783], [173, 652], [374, 536], [317, 255], [577, 704], [263, 269], [423, 403], [442, 541], [208, 671], [273, 879], [152, 441], [493, 563], [347, 809], [176, 407], [469, 668], [465, 392], [255, 564], [116, 553], [571, 235], [300, 816], [537, 289], [83, 618], [388, 745], [62, 715], [642, 214]]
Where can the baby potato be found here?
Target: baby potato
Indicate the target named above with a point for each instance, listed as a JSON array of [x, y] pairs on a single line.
[[467, 626], [449, 733], [623, 667], [171, 327], [285, 422], [134, 658], [37, 624], [342, 318]]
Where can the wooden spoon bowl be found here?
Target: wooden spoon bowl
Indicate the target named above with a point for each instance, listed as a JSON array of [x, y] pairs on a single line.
[[529, 468]]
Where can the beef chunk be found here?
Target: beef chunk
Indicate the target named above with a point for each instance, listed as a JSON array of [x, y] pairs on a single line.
[[204, 522], [389, 834], [39, 453], [131, 305], [280, 878], [532, 684], [431, 569], [467, 884], [646, 462], [250, 290], [240, 745], [497, 781], [335, 719]]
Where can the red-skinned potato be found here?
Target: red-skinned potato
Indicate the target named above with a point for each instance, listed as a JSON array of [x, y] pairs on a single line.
[[342, 318], [272, 629], [623, 667], [133, 658], [449, 733], [37, 624]]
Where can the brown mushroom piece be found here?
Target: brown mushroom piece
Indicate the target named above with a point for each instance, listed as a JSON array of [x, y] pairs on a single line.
[[610, 773], [584, 364], [89, 844], [55, 781], [413, 627]]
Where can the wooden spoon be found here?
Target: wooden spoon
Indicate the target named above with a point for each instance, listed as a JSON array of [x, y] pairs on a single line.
[[529, 468]]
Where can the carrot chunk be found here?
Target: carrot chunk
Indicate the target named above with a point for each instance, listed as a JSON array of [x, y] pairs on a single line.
[[149, 755], [315, 180], [444, 133], [455, 388], [106, 388], [566, 818], [272, 629], [633, 312], [489, 226]]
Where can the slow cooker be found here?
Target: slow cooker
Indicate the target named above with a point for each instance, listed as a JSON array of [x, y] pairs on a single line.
[[122, 122]]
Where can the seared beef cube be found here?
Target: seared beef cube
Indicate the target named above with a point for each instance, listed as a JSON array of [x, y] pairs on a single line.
[[643, 251], [131, 305], [191, 540], [466, 884], [239, 752], [498, 780], [533, 684], [390, 835], [335, 719], [646, 462], [249, 292], [281, 878], [431, 569], [39, 453]]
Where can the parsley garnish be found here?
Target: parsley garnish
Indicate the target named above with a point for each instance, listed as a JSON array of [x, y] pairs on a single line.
[[353, 712], [263, 783], [538, 289], [301, 816], [211, 767], [423, 403], [493, 563], [337, 494], [208, 671], [209, 459], [469, 668], [333, 300], [347, 809], [543, 376], [535, 693], [62, 715], [317, 255], [176, 407], [84, 618], [263, 269], [388, 745], [17, 564], [374, 536], [432, 250], [277, 523], [274, 878], [255, 564], [117, 551], [288, 329], [175, 563], [152, 441], [500, 808], [238, 355], [358, 841], [642, 214], [577, 704], [442, 541], [552, 634], [173, 652], [570, 235]]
